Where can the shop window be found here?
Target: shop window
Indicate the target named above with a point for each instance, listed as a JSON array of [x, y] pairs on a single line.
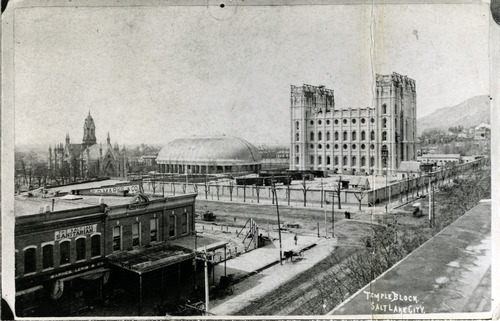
[[48, 256], [117, 238], [184, 219], [95, 245], [171, 227], [64, 252], [80, 249], [153, 228], [30, 260], [136, 234]]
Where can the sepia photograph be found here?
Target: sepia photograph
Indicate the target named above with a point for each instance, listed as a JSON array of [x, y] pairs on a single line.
[[237, 158]]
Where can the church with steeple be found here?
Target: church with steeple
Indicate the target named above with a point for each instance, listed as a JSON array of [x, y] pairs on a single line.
[[89, 159]]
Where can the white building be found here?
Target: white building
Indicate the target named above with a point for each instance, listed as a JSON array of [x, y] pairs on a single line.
[[354, 140]]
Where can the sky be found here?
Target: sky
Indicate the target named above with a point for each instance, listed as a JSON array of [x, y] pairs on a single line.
[[153, 74]]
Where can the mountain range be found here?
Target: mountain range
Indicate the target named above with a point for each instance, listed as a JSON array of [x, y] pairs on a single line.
[[472, 112]]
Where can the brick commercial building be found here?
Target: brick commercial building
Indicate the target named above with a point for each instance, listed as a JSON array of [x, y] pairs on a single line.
[[354, 140], [71, 250]]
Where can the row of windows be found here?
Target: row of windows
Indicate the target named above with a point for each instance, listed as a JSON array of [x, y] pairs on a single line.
[[80, 244], [30, 254], [336, 122], [336, 159], [384, 122], [335, 146], [345, 136], [136, 234]]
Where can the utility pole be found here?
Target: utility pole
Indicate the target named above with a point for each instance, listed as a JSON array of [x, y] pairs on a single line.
[[326, 228], [279, 224], [431, 194], [206, 280], [333, 216]]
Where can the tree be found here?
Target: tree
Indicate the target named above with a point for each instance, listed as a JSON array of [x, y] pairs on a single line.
[[41, 172], [231, 187], [304, 190], [360, 194]]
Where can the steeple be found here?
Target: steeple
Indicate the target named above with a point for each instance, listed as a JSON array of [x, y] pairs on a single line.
[[89, 132], [67, 138], [108, 139]]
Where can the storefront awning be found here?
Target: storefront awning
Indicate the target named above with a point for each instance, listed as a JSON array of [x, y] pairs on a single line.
[[33, 289], [145, 260], [97, 272], [200, 243]]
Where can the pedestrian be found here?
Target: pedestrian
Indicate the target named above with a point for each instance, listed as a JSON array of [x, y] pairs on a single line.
[[295, 239]]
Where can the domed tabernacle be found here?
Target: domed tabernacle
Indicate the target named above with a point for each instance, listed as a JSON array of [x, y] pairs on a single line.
[[219, 154]]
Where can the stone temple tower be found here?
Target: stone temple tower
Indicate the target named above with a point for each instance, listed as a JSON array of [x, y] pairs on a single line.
[[89, 138], [396, 116]]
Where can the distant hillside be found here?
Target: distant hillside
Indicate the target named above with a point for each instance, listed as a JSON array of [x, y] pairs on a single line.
[[472, 112]]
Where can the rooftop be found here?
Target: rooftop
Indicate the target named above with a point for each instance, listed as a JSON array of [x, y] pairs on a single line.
[[210, 150], [450, 273], [34, 202], [143, 260]]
